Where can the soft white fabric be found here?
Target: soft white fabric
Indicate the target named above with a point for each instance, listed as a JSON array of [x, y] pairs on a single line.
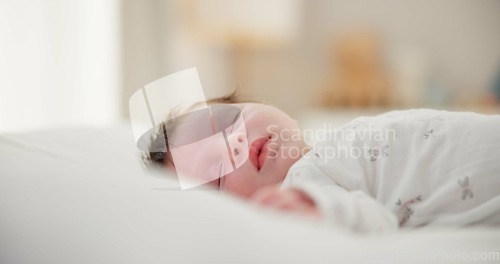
[[80, 196], [406, 168]]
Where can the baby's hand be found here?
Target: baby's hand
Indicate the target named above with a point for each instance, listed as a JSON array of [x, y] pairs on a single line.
[[289, 200]]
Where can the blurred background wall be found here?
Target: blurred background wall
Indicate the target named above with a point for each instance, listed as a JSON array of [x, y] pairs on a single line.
[[78, 62], [59, 63]]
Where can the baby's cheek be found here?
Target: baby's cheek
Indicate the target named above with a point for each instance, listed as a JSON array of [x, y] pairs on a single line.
[[259, 126]]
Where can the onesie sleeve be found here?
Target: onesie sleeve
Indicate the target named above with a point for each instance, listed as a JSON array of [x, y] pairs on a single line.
[[355, 210]]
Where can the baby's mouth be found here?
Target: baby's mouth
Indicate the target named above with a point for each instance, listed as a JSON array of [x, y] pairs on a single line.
[[258, 152]]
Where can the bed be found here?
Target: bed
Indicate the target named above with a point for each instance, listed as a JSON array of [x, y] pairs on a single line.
[[80, 195]]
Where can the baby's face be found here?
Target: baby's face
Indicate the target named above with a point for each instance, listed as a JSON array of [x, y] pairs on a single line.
[[273, 144]]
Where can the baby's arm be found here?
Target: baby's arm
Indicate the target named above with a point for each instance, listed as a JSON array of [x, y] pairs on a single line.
[[319, 197]]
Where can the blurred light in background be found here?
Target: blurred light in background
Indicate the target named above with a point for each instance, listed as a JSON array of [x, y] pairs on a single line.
[[248, 23]]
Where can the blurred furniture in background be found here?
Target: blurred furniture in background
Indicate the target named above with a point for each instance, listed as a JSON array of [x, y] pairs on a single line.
[[361, 79], [282, 51]]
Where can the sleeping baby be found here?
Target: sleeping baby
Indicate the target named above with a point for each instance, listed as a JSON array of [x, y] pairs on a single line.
[[407, 168]]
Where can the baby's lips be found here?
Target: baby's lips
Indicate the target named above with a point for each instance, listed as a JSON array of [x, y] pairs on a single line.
[[255, 150], [263, 153]]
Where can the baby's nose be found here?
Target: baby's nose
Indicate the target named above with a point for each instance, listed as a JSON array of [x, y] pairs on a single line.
[[238, 144]]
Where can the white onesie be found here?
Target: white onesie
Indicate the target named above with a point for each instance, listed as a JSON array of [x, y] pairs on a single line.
[[405, 168]]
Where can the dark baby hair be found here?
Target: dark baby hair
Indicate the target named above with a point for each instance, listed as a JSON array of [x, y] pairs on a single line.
[[158, 150]]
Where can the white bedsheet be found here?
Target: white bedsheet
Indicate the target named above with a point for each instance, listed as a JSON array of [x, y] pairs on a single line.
[[81, 196]]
